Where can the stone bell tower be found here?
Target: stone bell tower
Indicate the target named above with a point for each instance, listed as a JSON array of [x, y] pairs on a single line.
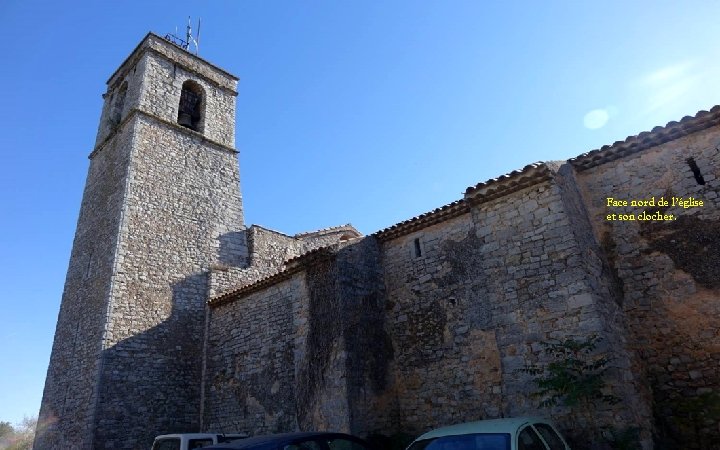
[[161, 205]]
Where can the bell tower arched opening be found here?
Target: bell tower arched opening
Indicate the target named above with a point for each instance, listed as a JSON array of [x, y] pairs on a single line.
[[191, 111], [118, 105]]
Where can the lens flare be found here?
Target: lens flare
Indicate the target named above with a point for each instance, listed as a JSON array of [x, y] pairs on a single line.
[[597, 118]]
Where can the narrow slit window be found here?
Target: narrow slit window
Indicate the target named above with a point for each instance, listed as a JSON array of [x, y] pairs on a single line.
[[418, 250], [695, 170]]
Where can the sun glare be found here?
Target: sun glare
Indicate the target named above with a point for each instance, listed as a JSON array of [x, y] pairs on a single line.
[[597, 118], [670, 93], [668, 73], [671, 86]]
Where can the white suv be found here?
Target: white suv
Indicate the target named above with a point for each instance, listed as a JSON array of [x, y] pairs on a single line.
[[189, 441]]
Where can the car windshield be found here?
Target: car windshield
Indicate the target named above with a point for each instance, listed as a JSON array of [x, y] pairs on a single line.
[[200, 443], [478, 441]]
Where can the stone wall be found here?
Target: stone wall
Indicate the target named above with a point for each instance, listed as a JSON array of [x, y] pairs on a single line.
[[161, 97], [430, 327], [486, 290], [250, 360], [668, 271], [320, 324], [162, 206], [327, 236], [268, 252], [155, 323], [274, 356], [71, 389], [473, 290], [455, 302], [154, 74], [364, 338]]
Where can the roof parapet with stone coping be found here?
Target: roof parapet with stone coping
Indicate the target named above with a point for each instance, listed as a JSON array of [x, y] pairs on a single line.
[[347, 227], [192, 63], [320, 232], [647, 139], [260, 227], [291, 267]]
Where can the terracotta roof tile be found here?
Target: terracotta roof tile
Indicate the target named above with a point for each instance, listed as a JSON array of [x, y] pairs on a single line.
[[289, 268], [509, 183], [437, 215], [647, 139], [498, 187], [481, 192], [347, 226]]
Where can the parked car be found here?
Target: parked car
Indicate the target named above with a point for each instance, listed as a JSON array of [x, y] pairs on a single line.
[[521, 433], [189, 441], [298, 441]]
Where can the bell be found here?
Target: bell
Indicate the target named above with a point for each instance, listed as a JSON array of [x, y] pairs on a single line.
[[185, 119]]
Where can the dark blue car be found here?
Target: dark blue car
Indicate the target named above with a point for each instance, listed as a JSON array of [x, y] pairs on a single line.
[[298, 441]]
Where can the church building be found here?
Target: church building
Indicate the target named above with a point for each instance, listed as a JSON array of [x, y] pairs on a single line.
[[178, 317]]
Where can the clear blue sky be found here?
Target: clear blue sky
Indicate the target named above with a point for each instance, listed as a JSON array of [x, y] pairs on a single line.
[[365, 112]]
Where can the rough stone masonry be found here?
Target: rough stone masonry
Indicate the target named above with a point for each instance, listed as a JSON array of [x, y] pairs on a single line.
[[176, 317]]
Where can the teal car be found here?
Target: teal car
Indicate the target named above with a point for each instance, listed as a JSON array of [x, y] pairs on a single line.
[[520, 433]]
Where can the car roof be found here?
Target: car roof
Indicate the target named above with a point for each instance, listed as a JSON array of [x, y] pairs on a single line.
[[510, 425], [278, 439], [197, 435]]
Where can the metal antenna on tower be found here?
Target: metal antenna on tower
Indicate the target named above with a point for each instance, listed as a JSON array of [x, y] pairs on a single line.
[[197, 41], [188, 34], [189, 39]]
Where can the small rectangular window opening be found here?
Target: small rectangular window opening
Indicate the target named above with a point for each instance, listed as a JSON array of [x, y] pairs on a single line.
[[88, 269], [418, 250], [695, 170]]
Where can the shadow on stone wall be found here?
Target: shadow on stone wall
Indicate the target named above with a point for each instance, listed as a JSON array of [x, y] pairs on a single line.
[[232, 246], [150, 382], [339, 352], [368, 345]]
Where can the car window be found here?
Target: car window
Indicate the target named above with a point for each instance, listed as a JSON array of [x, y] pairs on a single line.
[[344, 444], [167, 444], [304, 445], [528, 439], [551, 437], [230, 438], [199, 443], [477, 441]]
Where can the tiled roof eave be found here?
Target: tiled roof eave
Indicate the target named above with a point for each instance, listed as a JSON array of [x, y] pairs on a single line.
[[291, 267], [648, 139], [230, 296], [507, 184], [481, 192], [502, 186], [433, 217]]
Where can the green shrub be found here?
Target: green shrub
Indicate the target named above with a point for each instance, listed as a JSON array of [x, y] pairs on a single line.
[[574, 378]]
